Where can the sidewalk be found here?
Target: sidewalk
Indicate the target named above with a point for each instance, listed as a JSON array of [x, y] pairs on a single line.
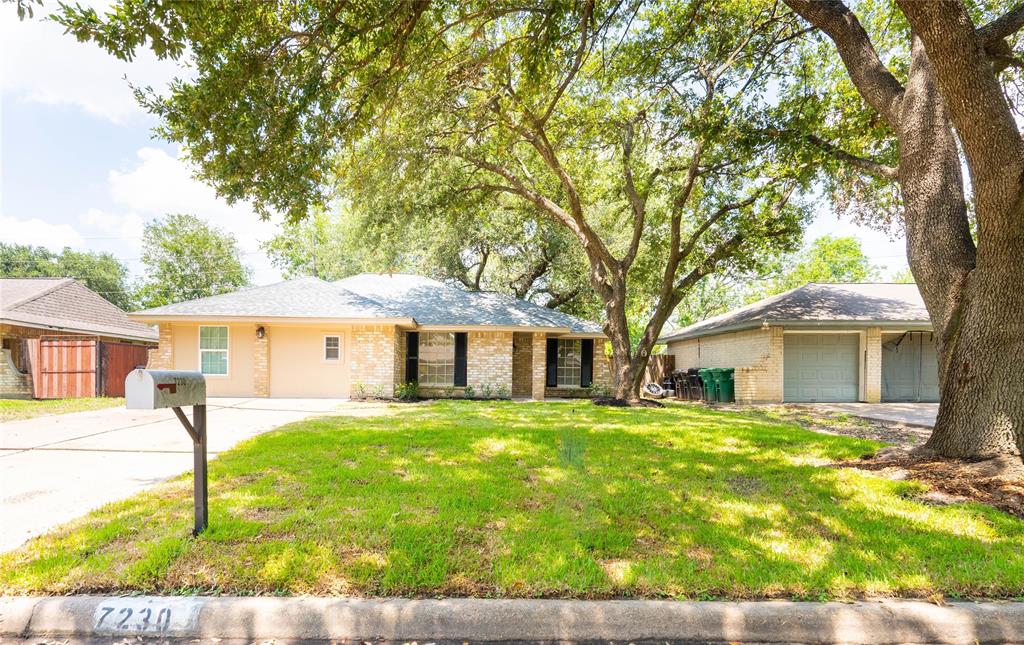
[[80, 618]]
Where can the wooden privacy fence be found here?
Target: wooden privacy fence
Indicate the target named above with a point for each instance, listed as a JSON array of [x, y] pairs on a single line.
[[65, 367], [659, 367]]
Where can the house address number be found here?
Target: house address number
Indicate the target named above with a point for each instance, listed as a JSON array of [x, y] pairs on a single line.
[[146, 616]]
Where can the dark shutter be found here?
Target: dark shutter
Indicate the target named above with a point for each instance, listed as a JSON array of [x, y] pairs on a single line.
[[552, 363], [461, 343], [412, 356], [586, 362]]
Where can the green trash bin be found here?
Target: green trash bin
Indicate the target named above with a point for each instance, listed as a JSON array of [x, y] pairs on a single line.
[[710, 387], [727, 386], [718, 376]]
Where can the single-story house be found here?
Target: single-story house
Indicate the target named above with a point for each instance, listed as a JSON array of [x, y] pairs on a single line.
[[60, 339], [369, 333], [818, 343]]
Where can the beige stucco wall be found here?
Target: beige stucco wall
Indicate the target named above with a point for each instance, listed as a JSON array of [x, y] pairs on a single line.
[[297, 365], [239, 380], [755, 353]]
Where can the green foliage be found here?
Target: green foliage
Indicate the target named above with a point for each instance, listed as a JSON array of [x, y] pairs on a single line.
[[101, 272], [407, 391], [903, 276], [504, 499], [469, 392], [827, 259], [186, 258], [449, 115]]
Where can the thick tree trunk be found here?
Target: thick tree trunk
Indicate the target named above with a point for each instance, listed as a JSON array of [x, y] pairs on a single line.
[[976, 317]]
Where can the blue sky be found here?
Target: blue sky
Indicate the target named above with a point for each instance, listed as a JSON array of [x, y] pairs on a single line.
[[79, 166]]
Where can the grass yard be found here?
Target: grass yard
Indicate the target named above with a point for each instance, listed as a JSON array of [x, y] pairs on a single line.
[[527, 500], [14, 409]]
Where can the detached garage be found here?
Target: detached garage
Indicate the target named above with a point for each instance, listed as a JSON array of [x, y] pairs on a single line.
[[821, 367], [820, 343]]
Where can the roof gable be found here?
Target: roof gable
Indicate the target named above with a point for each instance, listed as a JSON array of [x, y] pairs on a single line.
[[856, 303]]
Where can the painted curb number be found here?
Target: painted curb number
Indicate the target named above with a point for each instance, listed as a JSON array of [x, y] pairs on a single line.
[[145, 615]]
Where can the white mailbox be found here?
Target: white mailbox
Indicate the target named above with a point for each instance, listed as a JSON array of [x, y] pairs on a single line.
[[153, 389]]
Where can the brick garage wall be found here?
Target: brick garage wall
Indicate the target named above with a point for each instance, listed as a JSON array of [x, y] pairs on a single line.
[[872, 365], [162, 358], [756, 354], [400, 353], [372, 359]]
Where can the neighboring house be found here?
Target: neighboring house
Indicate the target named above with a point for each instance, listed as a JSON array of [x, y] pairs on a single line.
[[369, 333], [820, 342], [61, 339]]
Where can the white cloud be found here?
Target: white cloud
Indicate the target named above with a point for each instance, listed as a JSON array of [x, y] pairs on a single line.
[[162, 184], [36, 232], [115, 226], [42, 64]]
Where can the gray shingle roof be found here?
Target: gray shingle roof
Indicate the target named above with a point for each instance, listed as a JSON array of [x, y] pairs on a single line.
[[305, 297], [376, 296], [815, 303], [432, 302], [66, 305]]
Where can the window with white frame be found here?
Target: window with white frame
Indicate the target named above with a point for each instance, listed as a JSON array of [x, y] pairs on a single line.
[[570, 362], [437, 358], [332, 348], [213, 350]]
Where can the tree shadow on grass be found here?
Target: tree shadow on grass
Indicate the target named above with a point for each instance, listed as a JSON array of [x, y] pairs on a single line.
[[555, 500]]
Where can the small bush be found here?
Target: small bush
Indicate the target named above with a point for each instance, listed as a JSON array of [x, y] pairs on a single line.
[[598, 390], [502, 392], [468, 392], [358, 390], [408, 391], [486, 391], [448, 391]]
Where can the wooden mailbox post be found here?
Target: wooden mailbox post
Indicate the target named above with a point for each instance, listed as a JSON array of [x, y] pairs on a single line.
[[153, 389]]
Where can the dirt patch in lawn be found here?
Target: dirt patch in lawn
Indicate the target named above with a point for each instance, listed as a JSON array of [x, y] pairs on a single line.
[[998, 482], [891, 432]]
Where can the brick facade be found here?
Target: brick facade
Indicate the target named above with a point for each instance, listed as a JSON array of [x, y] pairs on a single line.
[[13, 383], [522, 364], [373, 359], [261, 363], [538, 373], [872, 372], [162, 358]]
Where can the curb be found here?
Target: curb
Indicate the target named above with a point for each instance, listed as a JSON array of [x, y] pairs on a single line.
[[478, 620]]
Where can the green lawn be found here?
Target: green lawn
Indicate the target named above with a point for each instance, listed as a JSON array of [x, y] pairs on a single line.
[[522, 499], [13, 409]]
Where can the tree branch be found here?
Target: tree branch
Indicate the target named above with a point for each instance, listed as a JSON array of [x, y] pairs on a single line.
[[872, 78], [1005, 25]]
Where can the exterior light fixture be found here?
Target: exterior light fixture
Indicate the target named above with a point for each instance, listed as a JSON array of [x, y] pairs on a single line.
[[260, 332]]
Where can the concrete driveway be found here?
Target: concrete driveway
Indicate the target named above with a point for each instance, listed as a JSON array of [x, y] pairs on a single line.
[[56, 468], [918, 414]]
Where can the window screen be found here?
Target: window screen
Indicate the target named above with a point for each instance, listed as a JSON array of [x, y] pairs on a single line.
[[213, 350], [570, 366], [332, 348], [437, 358]]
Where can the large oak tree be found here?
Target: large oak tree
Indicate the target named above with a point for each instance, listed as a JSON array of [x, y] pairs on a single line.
[[940, 98], [632, 125]]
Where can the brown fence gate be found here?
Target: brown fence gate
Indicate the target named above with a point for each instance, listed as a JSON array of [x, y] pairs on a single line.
[[116, 360], [65, 367]]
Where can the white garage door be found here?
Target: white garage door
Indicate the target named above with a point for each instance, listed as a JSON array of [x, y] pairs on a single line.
[[820, 367]]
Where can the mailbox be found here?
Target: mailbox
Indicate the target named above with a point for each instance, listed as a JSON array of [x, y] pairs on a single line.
[[153, 389]]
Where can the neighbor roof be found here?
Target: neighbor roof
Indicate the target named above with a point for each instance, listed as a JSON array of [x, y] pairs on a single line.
[[66, 305], [820, 304], [401, 298]]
